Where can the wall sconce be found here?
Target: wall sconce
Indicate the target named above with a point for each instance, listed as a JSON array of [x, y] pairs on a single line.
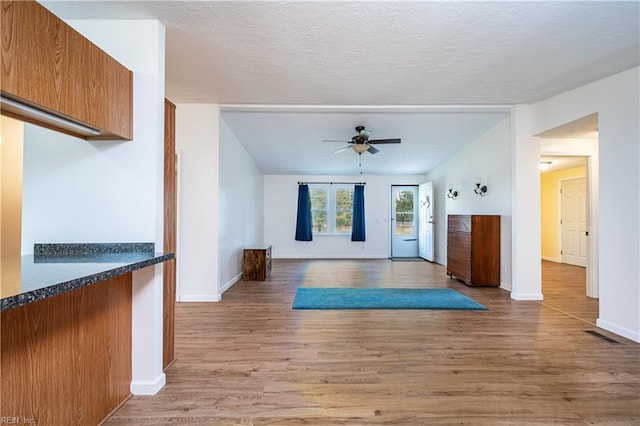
[[480, 189], [452, 194]]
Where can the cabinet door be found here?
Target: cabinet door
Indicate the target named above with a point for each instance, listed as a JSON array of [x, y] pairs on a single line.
[[49, 65], [169, 240], [485, 251], [459, 255]]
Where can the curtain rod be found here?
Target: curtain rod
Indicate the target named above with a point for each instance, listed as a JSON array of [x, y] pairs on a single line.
[[332, 183]]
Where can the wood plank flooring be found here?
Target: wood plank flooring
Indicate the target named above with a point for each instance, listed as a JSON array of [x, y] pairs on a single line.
[[564, 288], [252, 360]]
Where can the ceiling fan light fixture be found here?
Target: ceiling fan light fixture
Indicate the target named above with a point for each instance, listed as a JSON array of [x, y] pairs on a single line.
[[360, 143], [544, 165], [360, 148]]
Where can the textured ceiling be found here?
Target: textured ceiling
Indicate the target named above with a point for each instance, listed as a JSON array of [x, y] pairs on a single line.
[[378, 53]]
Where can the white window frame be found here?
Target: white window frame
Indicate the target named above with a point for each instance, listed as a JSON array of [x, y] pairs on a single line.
[[331, 190]]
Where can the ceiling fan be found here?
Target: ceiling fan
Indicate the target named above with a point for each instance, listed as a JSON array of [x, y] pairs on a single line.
[[361, 143]]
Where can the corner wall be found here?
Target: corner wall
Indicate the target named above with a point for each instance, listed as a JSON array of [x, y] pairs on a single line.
[[241, 206], [197, 143]]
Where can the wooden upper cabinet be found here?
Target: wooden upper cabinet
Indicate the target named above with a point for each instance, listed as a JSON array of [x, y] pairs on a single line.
[[49, 65]]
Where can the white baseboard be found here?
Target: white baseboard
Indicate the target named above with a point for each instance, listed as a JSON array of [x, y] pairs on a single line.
[[552, 259], [148, 387], [229, 283], [211, 297], [505, 286], [621, 331], [200, 298], [527, 296]]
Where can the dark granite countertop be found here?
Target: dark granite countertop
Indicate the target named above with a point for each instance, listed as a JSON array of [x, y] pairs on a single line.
[[58, 268]]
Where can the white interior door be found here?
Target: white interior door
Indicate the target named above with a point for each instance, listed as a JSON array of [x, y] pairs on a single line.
[[404, 221], [573, 221], [425, 219]]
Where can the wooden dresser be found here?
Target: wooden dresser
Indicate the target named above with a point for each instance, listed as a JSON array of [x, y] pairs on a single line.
[[256, 263], [473, 249]]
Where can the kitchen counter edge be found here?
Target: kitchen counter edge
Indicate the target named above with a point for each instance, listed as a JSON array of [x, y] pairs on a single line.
[[25, 298]]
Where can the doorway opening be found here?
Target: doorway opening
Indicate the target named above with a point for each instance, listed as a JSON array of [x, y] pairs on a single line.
[[569, 214], [565, 213]]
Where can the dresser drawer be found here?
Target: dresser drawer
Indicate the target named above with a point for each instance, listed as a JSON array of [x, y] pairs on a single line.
[[460, 223]]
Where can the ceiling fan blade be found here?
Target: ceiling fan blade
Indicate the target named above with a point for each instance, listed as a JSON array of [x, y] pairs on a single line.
[[373, 150], [342, 149], [335, 140], [384, 141]]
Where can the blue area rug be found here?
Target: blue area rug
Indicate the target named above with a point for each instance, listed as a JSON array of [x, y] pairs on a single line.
[[382, 298]]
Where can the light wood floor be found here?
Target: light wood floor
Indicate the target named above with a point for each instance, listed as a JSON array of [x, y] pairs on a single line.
[[252, 360], [564, 288]]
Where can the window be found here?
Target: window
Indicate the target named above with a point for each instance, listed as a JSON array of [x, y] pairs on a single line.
[[343, 209], [319, 209], [331, 209], [405, 223]]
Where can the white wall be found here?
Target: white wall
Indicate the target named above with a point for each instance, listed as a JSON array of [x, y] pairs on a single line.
[[197, 140], [241, 206], [280, 208], [71, 185], [616, 100], [105, 191], [488, 157]]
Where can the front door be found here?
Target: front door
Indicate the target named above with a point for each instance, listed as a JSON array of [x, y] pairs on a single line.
[[573, 221], [425, 240], [404, 221]]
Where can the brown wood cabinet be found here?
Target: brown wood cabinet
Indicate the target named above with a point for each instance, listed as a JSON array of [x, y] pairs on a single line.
[[169, 240], [473, 249], [256, 263], [66, 360], [50, 66]]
